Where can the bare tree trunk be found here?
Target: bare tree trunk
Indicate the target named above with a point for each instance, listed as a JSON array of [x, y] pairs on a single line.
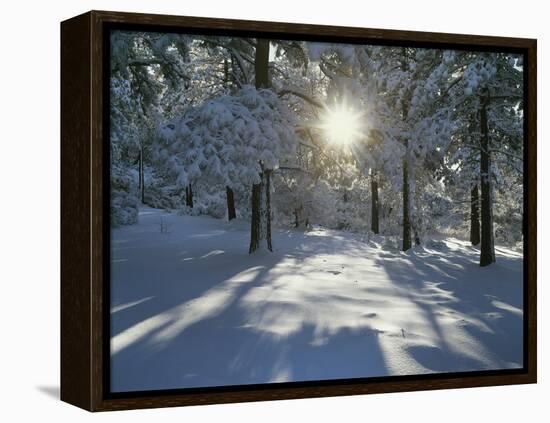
[[299, 216], [226, 73], [261, 68], [416, 236], [406, 188], [475, 235], [261, 63], [375, 212], [231, 214], [256, 207], [406, 205], [267, 174], [141, 175], [487, 250], [189, 196], [261, 213]]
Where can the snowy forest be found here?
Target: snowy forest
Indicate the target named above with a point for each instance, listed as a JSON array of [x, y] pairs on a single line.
[[312, 210]]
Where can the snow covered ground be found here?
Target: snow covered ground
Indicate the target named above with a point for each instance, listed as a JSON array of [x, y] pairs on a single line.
[[191, 307]]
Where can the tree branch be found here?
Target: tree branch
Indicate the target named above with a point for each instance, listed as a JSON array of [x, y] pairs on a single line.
[[303, 96]]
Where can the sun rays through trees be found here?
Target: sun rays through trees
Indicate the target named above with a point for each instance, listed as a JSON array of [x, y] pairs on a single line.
[[312, 210]]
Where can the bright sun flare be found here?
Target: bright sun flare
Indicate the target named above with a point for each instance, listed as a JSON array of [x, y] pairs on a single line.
[[342, 125]]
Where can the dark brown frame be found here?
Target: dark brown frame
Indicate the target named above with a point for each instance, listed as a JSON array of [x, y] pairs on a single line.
[[83, 196]]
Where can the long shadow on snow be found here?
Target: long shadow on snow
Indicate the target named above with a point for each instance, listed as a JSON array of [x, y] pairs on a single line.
[[234, 353], [454, 283], [150, 290], [197, 274]]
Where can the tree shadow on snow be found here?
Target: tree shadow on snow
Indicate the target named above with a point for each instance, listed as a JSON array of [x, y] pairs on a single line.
[[475, 312], [219, 316], [196, 331], [236, 355]]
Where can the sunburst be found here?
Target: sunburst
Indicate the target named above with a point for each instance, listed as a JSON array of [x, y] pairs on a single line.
[[342, 124]]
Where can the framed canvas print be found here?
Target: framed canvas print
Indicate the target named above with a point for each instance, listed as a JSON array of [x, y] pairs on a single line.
[[257, 210]]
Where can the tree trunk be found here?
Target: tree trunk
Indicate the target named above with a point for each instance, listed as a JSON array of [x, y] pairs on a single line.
[[406, 188], [475, 235], [226, 73], [417, 240], [260, 225], [406, 205], [375, 212], [256, 219], [231, 214], [189, 196], [141, 175], [267, 174], [299, 216], [261, 63], [487, 251]]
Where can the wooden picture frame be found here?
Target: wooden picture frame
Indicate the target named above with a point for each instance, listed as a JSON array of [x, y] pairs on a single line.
[[84, 194]]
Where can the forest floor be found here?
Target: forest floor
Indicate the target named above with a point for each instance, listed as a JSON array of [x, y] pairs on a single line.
[[191, 308]]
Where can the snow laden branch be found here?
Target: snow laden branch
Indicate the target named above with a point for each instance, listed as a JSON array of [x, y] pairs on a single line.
[[303, 95], [228, 139]]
